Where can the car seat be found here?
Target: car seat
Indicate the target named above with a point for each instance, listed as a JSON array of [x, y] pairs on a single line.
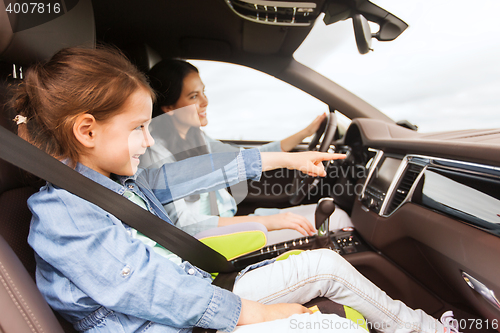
[[23, 308]]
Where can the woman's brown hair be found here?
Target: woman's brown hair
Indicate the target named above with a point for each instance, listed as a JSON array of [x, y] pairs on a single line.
[[167, 79], [74, 81]]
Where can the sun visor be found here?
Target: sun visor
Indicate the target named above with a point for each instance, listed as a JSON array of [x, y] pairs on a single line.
[[31, 32]]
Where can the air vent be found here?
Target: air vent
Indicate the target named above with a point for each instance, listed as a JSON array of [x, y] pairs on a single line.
[[409, 176], [275, 12]]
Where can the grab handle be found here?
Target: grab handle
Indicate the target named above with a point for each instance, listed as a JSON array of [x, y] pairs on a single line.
[[481, 288]]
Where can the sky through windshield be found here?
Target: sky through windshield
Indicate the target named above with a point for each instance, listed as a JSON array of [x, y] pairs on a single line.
[[442, 73]]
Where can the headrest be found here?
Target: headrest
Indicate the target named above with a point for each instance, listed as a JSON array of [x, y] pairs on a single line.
[[27, 37]]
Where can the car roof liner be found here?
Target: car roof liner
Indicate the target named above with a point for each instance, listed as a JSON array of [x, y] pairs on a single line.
[[225, 35], [24, 43]]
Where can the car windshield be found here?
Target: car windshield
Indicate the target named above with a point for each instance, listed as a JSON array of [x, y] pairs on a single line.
[[442, 73]]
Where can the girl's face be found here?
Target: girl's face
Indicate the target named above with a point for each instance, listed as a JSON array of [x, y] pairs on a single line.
[[193, 95], [123, 138]]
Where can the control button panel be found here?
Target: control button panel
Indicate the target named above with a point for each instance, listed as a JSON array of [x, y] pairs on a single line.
[[347, 243], [342, 242], [373, 199]]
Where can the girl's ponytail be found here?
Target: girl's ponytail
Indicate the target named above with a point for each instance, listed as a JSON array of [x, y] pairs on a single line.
[[29, 113]]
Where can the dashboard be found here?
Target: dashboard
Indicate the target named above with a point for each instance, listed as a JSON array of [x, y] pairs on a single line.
[[430, 203], [466, 191], [426, 218]]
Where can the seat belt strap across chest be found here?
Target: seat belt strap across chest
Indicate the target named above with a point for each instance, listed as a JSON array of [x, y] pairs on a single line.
[[20, 153]]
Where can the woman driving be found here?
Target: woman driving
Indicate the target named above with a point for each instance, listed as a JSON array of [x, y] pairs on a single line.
[[179, 114]]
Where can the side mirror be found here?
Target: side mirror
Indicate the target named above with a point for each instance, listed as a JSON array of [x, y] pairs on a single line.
[[363, 33]]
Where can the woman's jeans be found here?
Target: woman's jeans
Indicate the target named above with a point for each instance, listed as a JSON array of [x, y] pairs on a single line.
[[311, 274]]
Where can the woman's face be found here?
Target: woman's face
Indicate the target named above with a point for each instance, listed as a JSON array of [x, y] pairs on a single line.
[[193, 94]]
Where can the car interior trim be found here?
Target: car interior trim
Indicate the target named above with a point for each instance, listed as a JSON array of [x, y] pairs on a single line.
[[428, 165], [482, 289], [374, 162], [407, 194], [392, 187], [279, 13], [478, 206]]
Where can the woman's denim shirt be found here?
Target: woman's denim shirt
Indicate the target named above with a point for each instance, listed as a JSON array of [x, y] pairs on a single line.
[[102, 280], [184, 215]]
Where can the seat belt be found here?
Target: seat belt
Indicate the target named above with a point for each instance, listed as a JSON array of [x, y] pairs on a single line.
[[165, 234], [22, 154]]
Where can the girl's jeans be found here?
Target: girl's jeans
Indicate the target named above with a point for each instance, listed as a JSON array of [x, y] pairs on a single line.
[[311, 274]]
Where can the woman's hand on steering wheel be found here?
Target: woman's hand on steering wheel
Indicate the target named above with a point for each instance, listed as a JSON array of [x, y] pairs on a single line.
[[313, 127], [302, 183], [292, 141]]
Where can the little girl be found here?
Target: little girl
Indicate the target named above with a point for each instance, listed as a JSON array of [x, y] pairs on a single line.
[[91, 109]]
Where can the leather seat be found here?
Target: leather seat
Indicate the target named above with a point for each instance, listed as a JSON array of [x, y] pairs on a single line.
[[23, 308]]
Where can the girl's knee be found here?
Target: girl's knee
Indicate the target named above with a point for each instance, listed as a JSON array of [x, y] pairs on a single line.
[[327, 259], [327, 255]]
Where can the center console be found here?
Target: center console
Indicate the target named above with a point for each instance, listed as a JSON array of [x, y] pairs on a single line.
[[382, 174], [345, 241]]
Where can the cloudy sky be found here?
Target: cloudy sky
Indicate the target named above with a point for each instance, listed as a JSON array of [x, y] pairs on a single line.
[[445, 68], [442, 73]]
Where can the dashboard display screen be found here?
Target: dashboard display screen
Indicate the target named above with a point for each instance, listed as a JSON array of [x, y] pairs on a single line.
[[384, 174]]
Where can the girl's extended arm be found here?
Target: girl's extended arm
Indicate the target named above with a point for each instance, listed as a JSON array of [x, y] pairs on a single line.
[[307, 162], [211, 172]]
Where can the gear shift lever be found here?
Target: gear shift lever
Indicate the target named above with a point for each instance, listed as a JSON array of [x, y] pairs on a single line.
[[324, 209]]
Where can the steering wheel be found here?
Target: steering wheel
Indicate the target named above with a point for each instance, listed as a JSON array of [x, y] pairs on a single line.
[[303, 183]]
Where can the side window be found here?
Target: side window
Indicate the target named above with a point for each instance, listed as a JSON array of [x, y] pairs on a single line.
[[245, 104]]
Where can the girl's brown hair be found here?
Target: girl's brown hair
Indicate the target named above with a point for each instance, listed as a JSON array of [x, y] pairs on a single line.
[[73, 82]]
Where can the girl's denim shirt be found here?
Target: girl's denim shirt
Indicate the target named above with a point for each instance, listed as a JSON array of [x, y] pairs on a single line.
[[102, 280]]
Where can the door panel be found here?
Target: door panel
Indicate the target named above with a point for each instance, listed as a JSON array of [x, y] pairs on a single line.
[[435, 249]]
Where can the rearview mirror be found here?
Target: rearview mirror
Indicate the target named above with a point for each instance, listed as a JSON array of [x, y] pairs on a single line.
[[363, 33]]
